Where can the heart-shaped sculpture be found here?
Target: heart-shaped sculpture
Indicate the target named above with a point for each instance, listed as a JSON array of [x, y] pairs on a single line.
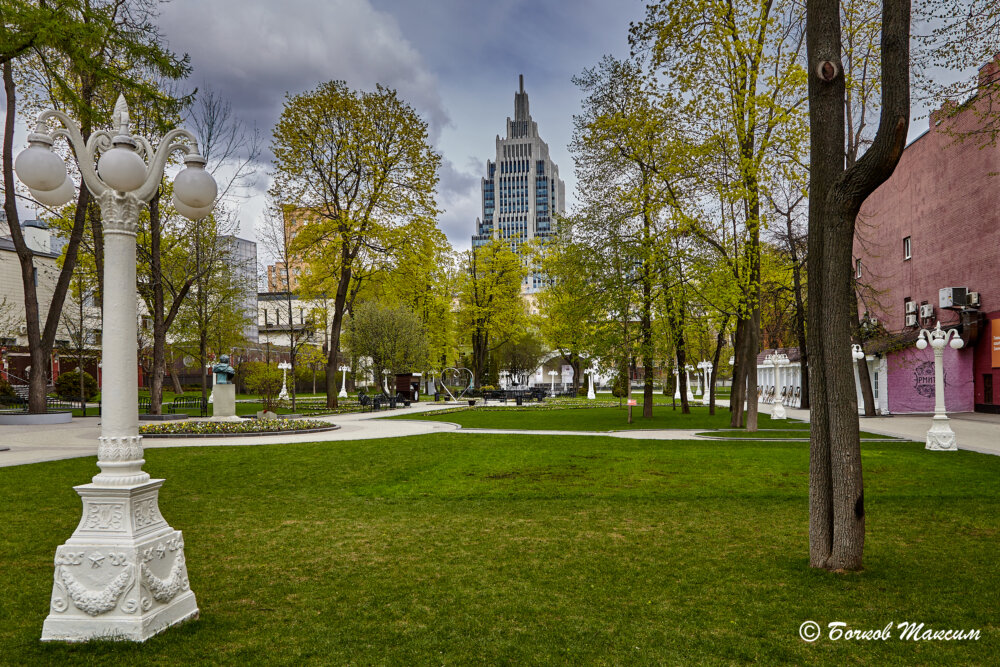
[[454, 377]]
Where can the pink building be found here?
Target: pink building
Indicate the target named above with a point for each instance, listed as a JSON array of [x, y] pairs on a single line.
[[935, 224]]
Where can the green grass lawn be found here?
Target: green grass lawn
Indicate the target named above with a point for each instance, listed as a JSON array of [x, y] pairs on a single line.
[[458, 549], [551, 418]]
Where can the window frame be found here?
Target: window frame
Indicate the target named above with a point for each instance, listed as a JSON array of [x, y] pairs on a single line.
[[907, 248]]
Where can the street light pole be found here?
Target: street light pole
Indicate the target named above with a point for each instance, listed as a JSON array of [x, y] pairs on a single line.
[[940, 437], [122, 573], [343, 381], [591, 394], [285, 367], [777, 361]]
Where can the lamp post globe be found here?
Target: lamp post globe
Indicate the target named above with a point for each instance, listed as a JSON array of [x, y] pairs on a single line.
[[122, 523], [193, 186], [55, 198], [37, 166], [121, 167]]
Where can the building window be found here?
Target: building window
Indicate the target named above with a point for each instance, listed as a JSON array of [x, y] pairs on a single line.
[[906, 248], [857, 268]]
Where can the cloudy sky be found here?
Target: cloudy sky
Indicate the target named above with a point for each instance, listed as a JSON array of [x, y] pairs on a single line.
[[456, 61]]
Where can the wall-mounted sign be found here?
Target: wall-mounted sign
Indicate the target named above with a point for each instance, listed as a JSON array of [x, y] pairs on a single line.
[[995, 342]]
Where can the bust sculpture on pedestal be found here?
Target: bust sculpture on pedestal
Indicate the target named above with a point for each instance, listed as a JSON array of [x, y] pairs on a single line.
[[224, 405]]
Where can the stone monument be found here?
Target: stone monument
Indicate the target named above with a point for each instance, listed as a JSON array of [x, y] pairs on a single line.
[[224, 405]]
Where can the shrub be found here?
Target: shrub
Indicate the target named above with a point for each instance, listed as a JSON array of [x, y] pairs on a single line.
[[582, 391], [5, 388], [68, 385], [264, 380], [620, 387]]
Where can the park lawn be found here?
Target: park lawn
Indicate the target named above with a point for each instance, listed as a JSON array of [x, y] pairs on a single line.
[[486, 549], [547, 417]]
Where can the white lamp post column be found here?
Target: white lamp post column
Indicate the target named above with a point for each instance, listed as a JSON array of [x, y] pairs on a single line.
[[122, 573], [858, 354], [706, 370], [677, 384], [285, 367], [940, 437], [553, 374], [777, 361], [343, 381], [687, 377], [591, 394]]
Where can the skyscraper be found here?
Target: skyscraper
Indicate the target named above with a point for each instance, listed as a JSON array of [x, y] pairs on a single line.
[[521, 191]]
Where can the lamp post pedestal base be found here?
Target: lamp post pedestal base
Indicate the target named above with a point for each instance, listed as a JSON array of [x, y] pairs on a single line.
[[122, 574], [778, 412], [940, 437]]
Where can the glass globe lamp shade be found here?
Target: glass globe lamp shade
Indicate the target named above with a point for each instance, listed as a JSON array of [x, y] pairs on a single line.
[[39, 168], [191, 212], [921, 343], [956, 343], [55, 198], [122, 169], [194, 186]]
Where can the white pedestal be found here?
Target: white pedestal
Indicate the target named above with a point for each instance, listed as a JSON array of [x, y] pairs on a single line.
[[778, 412], [940, 437], [122, 574], [225, 401]]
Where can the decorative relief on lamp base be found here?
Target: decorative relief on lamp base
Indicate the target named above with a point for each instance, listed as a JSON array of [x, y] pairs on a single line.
[[122, 574], [940, 437]]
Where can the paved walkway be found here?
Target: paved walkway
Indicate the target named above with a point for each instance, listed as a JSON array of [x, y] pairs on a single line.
[[974, 431], [31, 444]]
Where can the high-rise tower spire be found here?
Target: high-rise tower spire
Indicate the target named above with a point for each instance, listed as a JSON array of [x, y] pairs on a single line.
[[521, 103]]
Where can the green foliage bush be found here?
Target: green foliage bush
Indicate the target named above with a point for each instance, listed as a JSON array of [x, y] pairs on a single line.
[[5, 388], [68, 385], [582, 391], [265, 381], [620, 387]]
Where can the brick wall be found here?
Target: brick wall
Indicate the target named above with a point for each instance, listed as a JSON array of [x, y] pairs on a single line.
[[911, 380]]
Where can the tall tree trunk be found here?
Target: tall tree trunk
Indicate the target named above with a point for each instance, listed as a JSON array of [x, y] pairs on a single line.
[[159, 331], [646, 323], [836, 491], [40, 339], [737, 394], [339, 306], [682, 373], [864, 377], [800, 316], [720, 342]]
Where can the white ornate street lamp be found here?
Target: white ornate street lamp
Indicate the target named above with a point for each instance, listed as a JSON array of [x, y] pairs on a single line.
[[687, 376], [553, 374], [857, 353], [343, 381], [777, 361], [940, 437], [385, 382], [285, 367], [122, 573], [677, 384], [706, 370], [591, 394]]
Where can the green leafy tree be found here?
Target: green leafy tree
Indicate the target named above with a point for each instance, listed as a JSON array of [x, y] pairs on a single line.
[[733, 71], [79, 52], [491, 309], [360, 165], [392, 337]]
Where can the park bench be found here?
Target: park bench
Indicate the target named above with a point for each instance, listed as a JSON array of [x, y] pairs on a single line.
[[185, 403]]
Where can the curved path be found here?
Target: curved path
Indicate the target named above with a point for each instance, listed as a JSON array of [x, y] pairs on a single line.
[[32, 444]]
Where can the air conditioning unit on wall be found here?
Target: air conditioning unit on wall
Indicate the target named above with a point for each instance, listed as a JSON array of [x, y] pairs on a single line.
[[911, 320], [972, 299], [926, 310], [911, 307], [952, 297]]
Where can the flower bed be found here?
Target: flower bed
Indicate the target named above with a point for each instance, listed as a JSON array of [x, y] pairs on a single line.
[[206, 429]]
